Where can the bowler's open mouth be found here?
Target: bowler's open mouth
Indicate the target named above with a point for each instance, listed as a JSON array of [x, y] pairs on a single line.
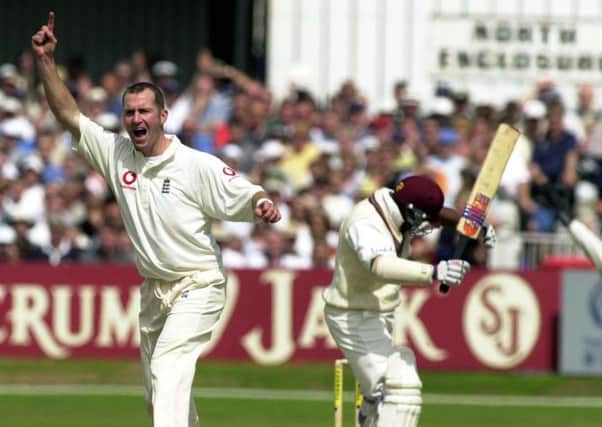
[[139, 132]]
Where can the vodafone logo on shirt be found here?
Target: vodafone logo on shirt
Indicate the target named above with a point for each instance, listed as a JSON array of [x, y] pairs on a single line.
[[229, 172], [128, 179]]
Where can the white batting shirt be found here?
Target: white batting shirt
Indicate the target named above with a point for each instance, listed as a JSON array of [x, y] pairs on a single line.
[[363, 236], [168, 203]]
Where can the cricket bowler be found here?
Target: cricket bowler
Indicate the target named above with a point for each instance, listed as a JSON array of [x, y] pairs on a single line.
[[168, 195]]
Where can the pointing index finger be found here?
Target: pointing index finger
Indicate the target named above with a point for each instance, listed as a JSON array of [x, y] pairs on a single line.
[[51, 21]]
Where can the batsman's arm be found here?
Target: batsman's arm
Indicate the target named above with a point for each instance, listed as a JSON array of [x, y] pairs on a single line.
[[403, 271], [389, 267], [60, 100], [378, 255]]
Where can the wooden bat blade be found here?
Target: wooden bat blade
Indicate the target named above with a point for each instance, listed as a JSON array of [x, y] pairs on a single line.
[[488, 181], [484, 189]]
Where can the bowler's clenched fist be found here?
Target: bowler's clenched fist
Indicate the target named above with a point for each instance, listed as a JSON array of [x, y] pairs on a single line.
[[268, 212]]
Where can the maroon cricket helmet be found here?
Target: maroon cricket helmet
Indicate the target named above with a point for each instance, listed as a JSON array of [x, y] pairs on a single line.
[[423, 193]]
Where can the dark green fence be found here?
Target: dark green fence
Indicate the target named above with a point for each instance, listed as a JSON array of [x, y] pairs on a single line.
[[103, 32]]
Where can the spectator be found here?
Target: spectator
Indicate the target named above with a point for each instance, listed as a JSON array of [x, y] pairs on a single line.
[[317, 227], [232, 253], [197, 113], [60, 248], [351, 150], [108, 247], [298, 157], [586, 108], [110, 84], [9, 250], [322, 255], [26, 194], [279, 254], [554, 162], [446, 166]]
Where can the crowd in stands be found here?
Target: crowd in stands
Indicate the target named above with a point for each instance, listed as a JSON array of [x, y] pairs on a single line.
[[315, 157]]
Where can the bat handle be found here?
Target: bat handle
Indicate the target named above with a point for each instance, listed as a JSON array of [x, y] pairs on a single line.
[[459, 250]]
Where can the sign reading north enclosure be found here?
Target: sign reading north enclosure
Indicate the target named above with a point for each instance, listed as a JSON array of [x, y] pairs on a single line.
[[494, 47]]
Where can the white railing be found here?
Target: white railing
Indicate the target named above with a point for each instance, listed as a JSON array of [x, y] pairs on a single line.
[[537, 246]]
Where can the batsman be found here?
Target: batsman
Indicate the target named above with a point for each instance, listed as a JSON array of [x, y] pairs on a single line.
[[371, 265], [168, 195]]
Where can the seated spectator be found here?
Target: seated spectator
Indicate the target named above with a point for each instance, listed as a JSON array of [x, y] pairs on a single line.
[[317, 227], [322, 255], [300, 153], [9, 251], [108, 247], [61, 247], [22, 225], [234, 257], [278, 252], [554, 162], [196, 114], [446, 166]]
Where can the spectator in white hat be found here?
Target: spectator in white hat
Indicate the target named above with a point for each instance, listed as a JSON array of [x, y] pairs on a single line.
[[165, 74], [25, 196], [13, 120], [9, 251]]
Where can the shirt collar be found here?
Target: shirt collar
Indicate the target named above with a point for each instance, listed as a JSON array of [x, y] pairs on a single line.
[[165, 157], [392, 207]]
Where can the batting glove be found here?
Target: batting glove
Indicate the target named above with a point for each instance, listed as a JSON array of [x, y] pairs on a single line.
[[490, 238], [451, 272]]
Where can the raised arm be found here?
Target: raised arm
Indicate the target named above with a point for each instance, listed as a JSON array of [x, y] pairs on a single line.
[[61, 102]]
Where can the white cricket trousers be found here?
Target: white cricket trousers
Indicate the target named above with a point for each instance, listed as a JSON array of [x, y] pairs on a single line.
[[364, 337], [173, 333]]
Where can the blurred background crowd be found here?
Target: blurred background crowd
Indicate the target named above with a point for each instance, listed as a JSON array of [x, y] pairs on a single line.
[[315, 157]]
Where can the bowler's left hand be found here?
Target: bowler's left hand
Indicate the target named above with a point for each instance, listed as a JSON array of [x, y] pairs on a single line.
[[268, 212]]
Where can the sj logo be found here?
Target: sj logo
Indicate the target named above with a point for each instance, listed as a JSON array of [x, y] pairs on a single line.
[[128, 178], [501, 320]]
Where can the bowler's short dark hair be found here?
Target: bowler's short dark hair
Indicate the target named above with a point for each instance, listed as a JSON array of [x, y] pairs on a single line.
[[141, 86]]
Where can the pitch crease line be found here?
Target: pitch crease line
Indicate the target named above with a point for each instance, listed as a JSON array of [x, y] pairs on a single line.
[[300, 395]]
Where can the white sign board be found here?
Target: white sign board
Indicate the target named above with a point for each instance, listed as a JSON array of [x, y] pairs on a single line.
[[507, 48]]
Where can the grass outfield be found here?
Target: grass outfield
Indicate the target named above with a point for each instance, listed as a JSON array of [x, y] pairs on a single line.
[[118, 411], [448, 400]]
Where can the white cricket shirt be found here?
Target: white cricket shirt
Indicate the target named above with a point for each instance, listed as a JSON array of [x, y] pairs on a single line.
[[363, 236], [168, 204]]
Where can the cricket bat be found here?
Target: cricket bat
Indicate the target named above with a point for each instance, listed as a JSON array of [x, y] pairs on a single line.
[[484, 189]]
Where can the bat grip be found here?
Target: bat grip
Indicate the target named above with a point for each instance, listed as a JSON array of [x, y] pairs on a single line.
[[459, 250]]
